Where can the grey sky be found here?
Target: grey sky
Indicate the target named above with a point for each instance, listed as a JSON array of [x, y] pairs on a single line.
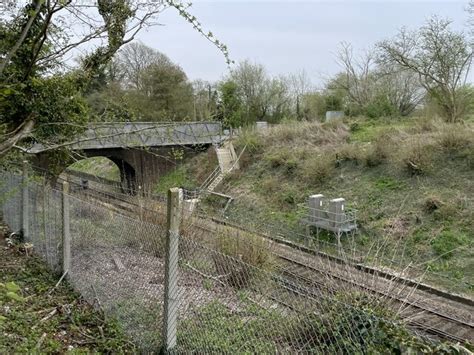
[[287, 36]]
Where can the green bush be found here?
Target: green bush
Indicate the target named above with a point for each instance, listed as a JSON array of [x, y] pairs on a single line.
[[350, 153], [352, 323], [380, 106], [446, 242]]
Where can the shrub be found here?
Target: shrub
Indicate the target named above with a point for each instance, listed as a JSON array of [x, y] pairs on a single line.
[[432, 204], [350, 153], [381, 148], [417, 157], [350, 323], [446, 242], [380, 106], [455, 138], [242, 258], [318, 168], [313, 133], [426, 124], [251, 140], [282, 159]]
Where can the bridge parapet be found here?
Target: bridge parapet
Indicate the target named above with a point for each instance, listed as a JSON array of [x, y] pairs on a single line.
[[144, 134]]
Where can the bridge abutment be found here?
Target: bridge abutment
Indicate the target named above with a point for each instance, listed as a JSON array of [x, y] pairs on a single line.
[[140, 169]]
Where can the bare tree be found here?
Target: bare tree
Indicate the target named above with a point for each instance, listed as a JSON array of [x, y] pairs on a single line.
[[262, 96], [133, 59], [440, 57], [357, 79], [401, 87], [299, 84]]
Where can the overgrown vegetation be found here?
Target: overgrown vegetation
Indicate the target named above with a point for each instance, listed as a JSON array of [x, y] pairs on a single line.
[[38, 317], [410, 180], [243, 258], [357, 327]]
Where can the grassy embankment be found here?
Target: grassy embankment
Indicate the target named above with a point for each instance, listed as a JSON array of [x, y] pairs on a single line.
[[99, 166], [37, 317], [412, 182]]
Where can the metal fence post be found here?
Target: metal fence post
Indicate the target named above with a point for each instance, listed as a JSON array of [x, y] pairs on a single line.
[[24, 202], [66, 230], [170, 313]]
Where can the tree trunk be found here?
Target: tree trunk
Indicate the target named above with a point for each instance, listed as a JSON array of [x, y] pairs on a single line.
[[23, 131]]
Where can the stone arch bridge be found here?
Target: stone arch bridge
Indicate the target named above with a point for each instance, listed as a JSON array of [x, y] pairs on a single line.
[[143, 151]]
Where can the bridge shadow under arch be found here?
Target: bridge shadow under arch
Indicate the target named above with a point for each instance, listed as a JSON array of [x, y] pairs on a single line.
[[126, 179]]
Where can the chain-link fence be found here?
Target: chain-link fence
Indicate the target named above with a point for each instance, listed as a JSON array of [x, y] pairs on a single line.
[[190, 283]]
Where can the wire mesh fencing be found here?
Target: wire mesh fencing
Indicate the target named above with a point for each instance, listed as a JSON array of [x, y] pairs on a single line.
[[240, 293], [183, 281]]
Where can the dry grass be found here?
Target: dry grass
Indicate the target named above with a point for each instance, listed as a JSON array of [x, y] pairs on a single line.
[[416, 157], [242, 257], [306, 133], [318, 168], [387, 171]]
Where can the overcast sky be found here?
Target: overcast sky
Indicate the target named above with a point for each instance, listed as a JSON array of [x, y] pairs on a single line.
[[288, 36]]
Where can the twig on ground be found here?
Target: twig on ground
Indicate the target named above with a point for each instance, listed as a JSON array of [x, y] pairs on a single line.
[[204, 275], [98, 302], [40, 341], [45, 318], [57, 284]]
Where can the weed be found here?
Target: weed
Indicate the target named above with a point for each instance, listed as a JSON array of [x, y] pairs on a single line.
[[296, 133], [446, 242], [241, 258], [175, 178], [388, 183], [250, 139], [217, 329], [207, 284], [454, 138], [25, 298], [432, 203], [381, 148], [141, 320]]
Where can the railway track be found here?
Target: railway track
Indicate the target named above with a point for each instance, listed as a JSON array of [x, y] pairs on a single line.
[[417, 311], [446, 316]]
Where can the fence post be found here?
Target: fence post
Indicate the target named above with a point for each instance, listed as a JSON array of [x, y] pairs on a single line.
[[170, 312], [66, 230], [24, 202]]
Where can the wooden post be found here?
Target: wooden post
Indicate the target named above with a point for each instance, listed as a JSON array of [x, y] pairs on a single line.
[[66, 229], [170, 313], [25, 202]]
